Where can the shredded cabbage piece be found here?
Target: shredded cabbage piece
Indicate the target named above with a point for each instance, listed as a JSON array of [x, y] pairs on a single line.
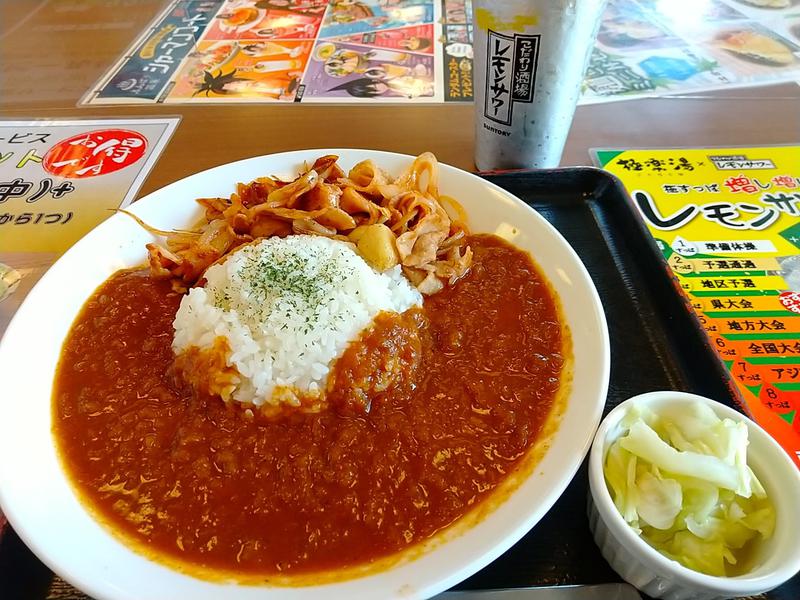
[[680, 479], [660, 500]]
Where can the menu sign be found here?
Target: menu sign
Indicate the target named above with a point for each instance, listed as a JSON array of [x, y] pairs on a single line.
[[652, 48], [199, 51], [59, 179], [728, 223], [145, 73], [421, 51]]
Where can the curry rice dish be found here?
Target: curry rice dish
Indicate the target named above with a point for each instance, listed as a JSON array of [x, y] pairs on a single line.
[[322, 374]]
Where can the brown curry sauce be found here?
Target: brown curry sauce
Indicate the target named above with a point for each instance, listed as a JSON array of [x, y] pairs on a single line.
[[200, 482]]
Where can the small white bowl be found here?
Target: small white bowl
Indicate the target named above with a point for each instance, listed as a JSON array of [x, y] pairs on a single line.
[[638, 563]]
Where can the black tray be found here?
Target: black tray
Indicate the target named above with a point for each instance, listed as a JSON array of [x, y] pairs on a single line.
[[656, 343]]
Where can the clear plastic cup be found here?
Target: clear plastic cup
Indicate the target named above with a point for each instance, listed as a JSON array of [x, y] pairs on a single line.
[[529, 60]]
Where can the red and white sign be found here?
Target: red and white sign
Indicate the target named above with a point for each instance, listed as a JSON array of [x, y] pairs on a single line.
[[95, 153]]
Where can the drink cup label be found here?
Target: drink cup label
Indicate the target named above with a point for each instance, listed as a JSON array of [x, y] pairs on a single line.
[[512, 61]]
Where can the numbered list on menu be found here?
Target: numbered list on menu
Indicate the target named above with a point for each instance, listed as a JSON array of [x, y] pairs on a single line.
[[728, 223]]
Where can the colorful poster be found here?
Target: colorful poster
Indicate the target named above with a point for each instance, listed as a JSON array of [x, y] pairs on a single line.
[[238, 21], [457, 50], [675, 15], [143, 75], [418, 38], [650, 48], [728, 223], [242, 70], [338, 70], [751, 50], [667, 69], [644, 48], [457, 12], [625, 28], [458, 63], [353, 17], [59, 179], [766, 7]]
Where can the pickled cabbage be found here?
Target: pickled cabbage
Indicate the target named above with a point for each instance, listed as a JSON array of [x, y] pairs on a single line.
[[680, 479]]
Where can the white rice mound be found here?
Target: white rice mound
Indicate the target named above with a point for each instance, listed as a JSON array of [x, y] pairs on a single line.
[[288, 307]]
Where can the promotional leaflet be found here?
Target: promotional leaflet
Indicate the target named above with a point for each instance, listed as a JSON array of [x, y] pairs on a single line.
[[727, 221], [411, 51], [58, 180]]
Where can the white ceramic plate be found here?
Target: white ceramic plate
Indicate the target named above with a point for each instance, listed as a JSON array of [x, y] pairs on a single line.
[[44, 510]]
